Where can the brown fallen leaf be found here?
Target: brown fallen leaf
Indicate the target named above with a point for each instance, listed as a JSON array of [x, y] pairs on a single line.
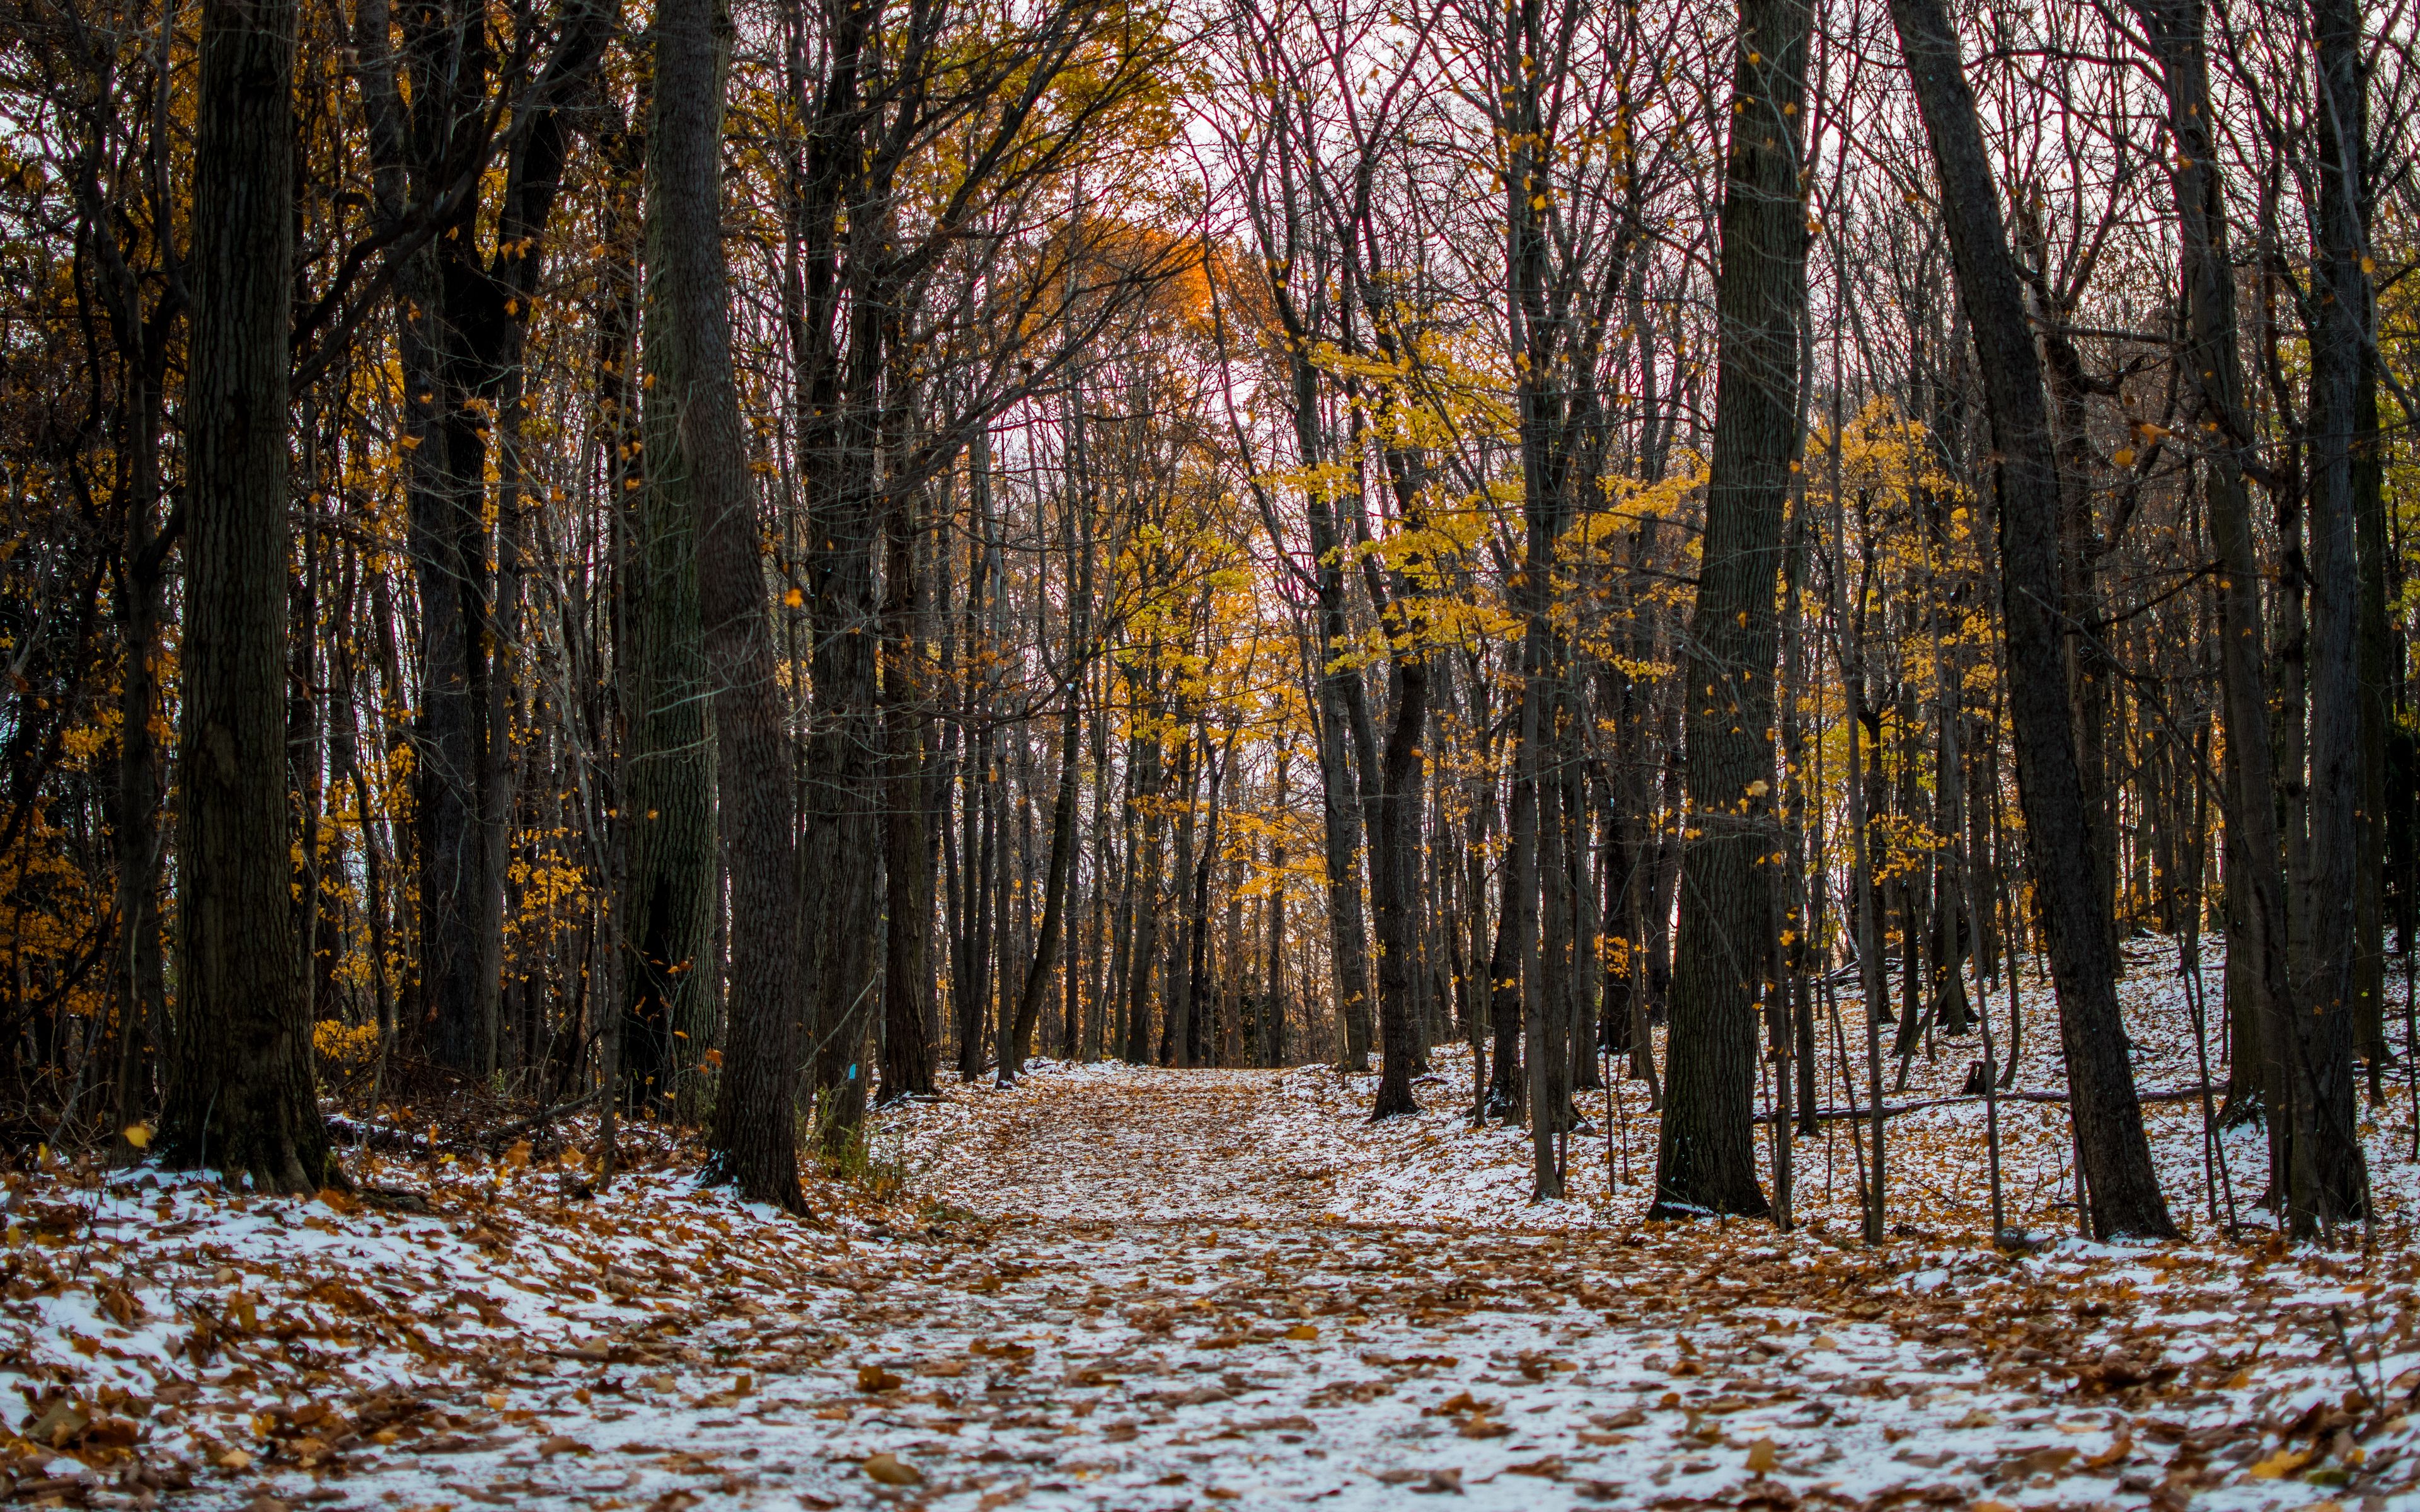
[[63, 1420], [892, 1470], [560, 1445], [2115, 1454]]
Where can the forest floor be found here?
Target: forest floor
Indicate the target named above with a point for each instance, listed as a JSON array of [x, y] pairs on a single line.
[[1118, 1288]]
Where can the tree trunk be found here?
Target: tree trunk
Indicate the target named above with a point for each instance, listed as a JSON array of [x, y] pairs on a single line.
[[1142, 945], [141, 968], [753, 1139], [1062, 864], [2125, 1193], [239, 1094], [908, 986], [1394, 878], [2260, 989], [666, 913], [1706, 1157], [2329, 1185]]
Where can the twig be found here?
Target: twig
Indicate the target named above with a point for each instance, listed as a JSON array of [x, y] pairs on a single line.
[[2352, 1361], [540, 1121], [2182, 1094]]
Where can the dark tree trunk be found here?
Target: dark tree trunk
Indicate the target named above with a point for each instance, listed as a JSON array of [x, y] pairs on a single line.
[[1143, 942], [753, 1139], [2329, 1185], [1175, 975], [1272, 1047], [1706, 1157], [670, 866], [460, 344], [907, 985], [2259, 992], [1348, 937], [1507, 1093], [2124, 1188], [1062, 859], [141, 966], [1394, 878], [239, 1093]]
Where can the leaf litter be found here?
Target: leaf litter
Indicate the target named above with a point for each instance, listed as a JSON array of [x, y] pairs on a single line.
[[1121, 1288]]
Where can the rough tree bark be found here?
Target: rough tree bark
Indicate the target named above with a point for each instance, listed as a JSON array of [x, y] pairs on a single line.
[[239, 1094], [908, 986], [669, 868], [2125, 1189], [2328, 1184], [1706, 1157], [753, 1139], [2255, 895]]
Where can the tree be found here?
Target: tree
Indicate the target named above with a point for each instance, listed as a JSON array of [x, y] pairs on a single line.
[[1706, 1157], [240, 1092], [753, 1139], [2124, 1188], [463, 311], [2213, 358], [2327, 1184], [670, 869]]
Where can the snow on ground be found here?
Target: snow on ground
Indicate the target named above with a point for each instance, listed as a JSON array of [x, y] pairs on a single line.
[[1117, 1288]]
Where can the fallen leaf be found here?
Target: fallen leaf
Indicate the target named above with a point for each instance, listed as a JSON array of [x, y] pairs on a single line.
[[61, 1422], [1762, 1457], [892, 1470], [2283, 1463], [1302, 1332], [2113, 1454], [872, 1378]]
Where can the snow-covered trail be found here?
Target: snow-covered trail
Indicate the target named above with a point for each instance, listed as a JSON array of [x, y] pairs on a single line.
[[1135, 1293]]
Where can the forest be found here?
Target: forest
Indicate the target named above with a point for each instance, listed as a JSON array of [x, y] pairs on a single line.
[[1186, 632], [732, 563]]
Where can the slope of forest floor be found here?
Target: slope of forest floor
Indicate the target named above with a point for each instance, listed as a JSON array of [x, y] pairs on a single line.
[[1120, 1288]]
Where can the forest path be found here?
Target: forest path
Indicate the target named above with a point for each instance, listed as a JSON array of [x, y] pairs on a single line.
[[1204, 1327], [1190, 1144]]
